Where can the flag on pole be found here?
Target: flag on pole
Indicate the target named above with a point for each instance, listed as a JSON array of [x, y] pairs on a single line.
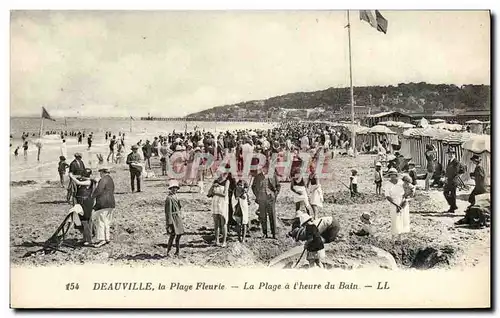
[[45, 114], [375, 19], [132, 118]]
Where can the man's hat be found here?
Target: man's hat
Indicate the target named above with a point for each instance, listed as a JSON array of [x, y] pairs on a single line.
[[392, 171], [378, 164], [135, 147], [62, 158], [411, 163], [304, 218], [475, 158], [78, 155], [104, 169], [173, 184]]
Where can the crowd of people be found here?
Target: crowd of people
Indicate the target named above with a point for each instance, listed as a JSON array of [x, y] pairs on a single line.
[[230, 191]]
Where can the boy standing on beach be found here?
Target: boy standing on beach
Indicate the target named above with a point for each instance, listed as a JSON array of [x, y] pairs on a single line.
[[353, 186], [378, 178]]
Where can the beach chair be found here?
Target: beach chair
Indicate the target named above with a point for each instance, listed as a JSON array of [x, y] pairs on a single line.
[[57, 240]]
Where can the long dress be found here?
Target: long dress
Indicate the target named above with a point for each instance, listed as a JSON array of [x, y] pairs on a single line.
[[396, 192], [173, 215]]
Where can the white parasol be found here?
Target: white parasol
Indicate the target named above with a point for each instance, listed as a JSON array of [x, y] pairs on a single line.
[[478, 144]]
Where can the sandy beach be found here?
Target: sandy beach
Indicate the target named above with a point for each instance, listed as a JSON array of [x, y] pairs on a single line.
[[139, 235]]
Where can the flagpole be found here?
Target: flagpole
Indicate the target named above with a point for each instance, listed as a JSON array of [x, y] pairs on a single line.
[[353, 132], [130, 124], [41, 126]]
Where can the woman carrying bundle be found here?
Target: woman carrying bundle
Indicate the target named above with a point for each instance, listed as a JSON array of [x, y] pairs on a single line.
[[85, 186]]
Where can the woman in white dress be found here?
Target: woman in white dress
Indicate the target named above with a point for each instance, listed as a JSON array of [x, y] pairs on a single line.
[[394, 193], [220, 201]]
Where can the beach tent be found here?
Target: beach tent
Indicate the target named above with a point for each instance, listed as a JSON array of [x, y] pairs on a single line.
[[372, 136], [438, 120], [479, 145], [474, 121], [380, 129], [450, 127], [475, 126], [423, 123], [397, 126], [407, 126]]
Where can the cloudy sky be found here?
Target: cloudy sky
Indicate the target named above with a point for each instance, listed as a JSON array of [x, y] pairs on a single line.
[[118, 63]]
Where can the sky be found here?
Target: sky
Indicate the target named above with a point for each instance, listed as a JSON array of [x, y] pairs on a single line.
[[167, 63]]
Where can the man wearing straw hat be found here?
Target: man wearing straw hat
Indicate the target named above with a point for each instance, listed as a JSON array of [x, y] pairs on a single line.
[[479, 176], [104, 206], [133, 160]]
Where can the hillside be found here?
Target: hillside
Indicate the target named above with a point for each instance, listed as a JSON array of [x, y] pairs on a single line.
[[408, 98]]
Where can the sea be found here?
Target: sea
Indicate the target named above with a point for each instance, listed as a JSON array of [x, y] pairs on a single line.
[[28, 168]]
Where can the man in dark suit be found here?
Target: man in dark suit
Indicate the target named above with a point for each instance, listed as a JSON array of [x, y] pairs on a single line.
[[479, 177], [147, 151], [76, 168], [266, 189], [453, 171], [133, 159]]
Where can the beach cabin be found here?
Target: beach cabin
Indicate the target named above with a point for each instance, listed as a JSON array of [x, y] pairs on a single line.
[[465, 144]]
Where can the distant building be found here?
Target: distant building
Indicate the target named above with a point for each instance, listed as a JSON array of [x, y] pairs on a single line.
[[481, 115], [458, 117], [372, 120]]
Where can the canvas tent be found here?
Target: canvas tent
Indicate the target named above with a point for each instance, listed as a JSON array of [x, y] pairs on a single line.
[[466, 144], [479, 145]]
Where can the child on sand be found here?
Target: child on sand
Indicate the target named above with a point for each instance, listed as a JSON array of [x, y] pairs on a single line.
[[61, 168], [314, 244], [353, 185], [412, 172], [409, 189], [378, 178], [366, 228], [241, 208]]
